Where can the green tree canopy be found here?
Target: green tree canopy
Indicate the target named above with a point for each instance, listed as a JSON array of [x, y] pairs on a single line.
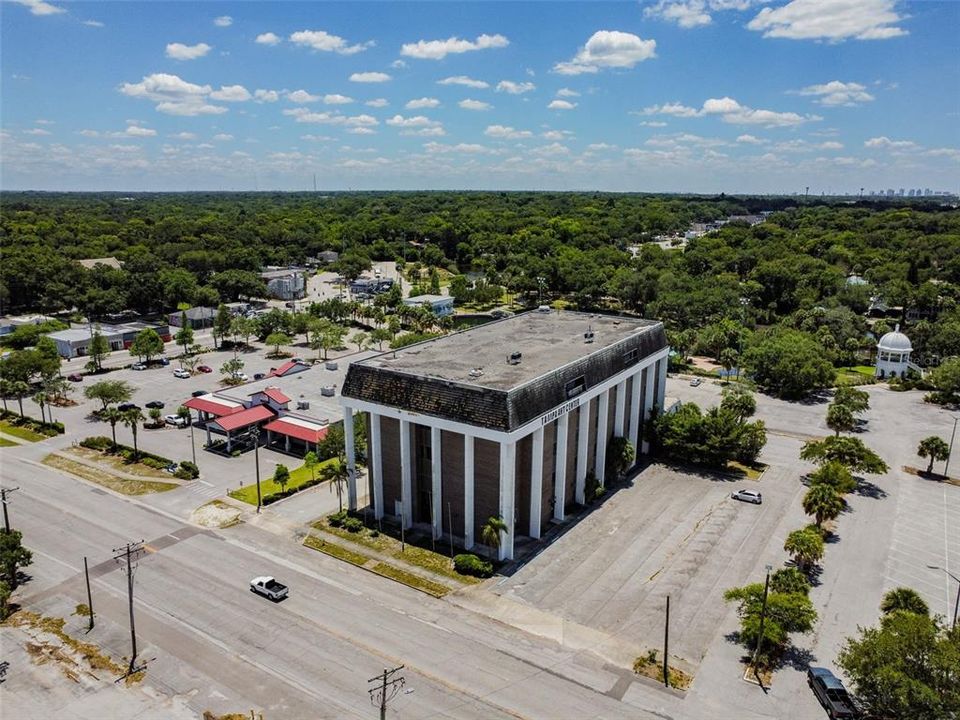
[[805, 547], [789, 364], [109, 392], [849, 452], [903, 599], [147, 344], [934, 448]]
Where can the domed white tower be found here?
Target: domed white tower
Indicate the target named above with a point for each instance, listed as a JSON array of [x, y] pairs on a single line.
[[893, 354]]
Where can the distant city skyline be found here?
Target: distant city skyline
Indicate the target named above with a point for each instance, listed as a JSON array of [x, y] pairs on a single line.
[[702, 96]]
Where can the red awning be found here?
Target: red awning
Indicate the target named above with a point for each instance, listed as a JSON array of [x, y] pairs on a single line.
[[274, 394], [244, 418], [295, 430], [213, 407]]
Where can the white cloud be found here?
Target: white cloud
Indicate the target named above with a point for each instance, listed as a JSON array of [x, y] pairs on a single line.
[[608, 49], [652, 123], [398, 64], [721, 106], [505, 132], [223, 137], [184, 136], [730, 111], [223, 21], [414, 121], [41, 121], [947, 152], [601, 146], [567, 92], [231, 93], [93, 23], [837, 93], [424, 102], [470, 104], [751, 140], [466, 148], [335, 99], [323, 41], [688, 14], [137, 131], [439, 49], [426, 132], [302, 96], [304, 115], [561, 105], [884, 142], [39, 7], [515, 88], [552, 149], [369, 77], [832, 20], [317, 138], [90, 133], [830, 145], [377, 102], [673, 108], [263, 96], [36, 131], [465, 81], [361, 131], [173, 95], [556, 134], [268, 38], [179, 51]]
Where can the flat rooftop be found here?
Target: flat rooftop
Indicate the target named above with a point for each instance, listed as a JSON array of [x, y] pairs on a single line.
[[478, 356]]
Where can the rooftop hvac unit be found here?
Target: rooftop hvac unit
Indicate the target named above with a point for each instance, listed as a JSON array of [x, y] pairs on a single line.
[[588, 336], [514, 358]]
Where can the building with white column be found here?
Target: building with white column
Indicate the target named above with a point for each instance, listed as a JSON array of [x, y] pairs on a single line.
[[509, 419]]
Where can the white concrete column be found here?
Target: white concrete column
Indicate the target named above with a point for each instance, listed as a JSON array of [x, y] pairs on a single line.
[[600, 459], [560, 468], [376, 467], [583, 427], [536, 482], [648, 381], [468, 508], [620, 409], [636, 412], [661, 382], [436, 510], [508, 458], [348, 449], [406, 485]]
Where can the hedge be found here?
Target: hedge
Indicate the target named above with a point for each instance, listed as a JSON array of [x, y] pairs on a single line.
[[44, 428], [273, 497], [105, 445], [470, 564]]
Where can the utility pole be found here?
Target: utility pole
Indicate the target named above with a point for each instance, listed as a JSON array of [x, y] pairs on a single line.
[[3, 498], [86, 573], [666, 646], [386, 690], [129, 554], [763, 617], [946, 467], [255, 434], [193, 445]]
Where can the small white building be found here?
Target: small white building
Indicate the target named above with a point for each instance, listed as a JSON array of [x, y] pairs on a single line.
[[893, 354], [441, 305], [285, 283]]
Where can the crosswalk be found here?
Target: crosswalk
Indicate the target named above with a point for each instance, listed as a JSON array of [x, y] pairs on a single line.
[[203, 489]]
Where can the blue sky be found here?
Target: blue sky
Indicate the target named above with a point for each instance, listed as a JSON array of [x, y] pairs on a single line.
[[669, 95]]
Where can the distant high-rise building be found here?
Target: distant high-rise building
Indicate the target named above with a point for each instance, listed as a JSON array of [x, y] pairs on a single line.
[[890, 192], [910, 192]]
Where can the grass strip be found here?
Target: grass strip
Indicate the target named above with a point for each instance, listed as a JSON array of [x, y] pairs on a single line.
[[337, 551], [298, 477], [7, 443], [21, 432], [117, 463], [118, 484], [411, 580]]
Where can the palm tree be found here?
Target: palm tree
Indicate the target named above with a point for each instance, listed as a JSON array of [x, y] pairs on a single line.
[[903, 599], [933, 448], [4, 392], [40, 399], [805, 547], [19, 389], [132, 419], [823, 502], [337, 473], [491, 533], [112, 416]]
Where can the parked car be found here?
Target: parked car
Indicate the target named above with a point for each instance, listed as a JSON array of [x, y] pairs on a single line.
[[241, 376], [750, 496], [205, 369], [198, 393], [75, 377], [181, 373], [258, 376], [123, 407], [163, 361], [696, 382], [831, 693], [269, 588], [158, 404], [175, 420], [138, 366]]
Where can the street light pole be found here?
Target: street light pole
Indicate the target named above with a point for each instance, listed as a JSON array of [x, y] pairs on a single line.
[[763, 617], [956, 604], [255, 434], [946, 468]]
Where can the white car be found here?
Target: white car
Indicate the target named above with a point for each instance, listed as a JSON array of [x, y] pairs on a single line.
[[696, 382], [241, 376], [181, 373], [269, 588], [175, 420], [750, 496], [138, 366]]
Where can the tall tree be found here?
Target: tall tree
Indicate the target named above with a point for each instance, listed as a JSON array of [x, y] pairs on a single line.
[[823, 502], [934, 448], [492, 532], [221, 324], [840, 418], [132, 419], [184, 336], [903, 599], [13, 555], [98, 349], [109, 392], [849, 452], [146, 345], [805, 546]]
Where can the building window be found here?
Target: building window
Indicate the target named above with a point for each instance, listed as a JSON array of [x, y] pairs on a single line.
[[630, 357], [575, 387]]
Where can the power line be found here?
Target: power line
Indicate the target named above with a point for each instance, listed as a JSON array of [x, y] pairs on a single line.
[[387, 689], [130, 553]]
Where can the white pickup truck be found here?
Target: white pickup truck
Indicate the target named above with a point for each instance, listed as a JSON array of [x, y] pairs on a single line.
[[269, 588]]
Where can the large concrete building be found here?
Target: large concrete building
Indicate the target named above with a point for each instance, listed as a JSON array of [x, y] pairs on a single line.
[[507, 419]]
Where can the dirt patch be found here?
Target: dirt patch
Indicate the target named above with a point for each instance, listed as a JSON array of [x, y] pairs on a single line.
[[106, 479], [216, 514], [924, 475], [117, 464]]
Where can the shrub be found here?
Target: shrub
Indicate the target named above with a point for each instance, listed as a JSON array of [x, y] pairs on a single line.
[[470, 564], [337, 519], [97, 443], [190, 468], [183, 474], [353, 525], [152, 462]]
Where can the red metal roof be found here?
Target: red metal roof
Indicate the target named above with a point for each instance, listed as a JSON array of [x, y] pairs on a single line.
[[288, 367], [296, 431], [246, 417], [274, 394], [212, 406]]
